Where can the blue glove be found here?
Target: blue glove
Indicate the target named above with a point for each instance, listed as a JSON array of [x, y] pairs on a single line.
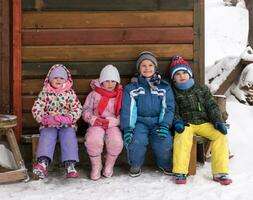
[[128, 135], [179, 126], [162, 132], [221, 127]]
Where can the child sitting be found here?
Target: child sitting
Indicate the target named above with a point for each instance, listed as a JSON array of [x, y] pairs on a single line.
[[147, 115], [101, 110], [196, 113], [57, 109]]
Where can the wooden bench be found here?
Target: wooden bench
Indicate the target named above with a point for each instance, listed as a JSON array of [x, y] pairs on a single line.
[[7, 123], [199, 145]]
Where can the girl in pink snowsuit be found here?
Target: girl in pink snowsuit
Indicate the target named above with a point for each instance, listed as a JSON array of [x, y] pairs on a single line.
[[101, 110]]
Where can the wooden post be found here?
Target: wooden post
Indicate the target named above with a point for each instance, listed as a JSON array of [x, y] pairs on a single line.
[[17, 73], [35, 140], [199, 41], [193, 158], [5, 56]]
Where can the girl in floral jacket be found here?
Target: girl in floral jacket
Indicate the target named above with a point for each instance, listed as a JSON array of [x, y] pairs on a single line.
[[101, 111], [57, 109]]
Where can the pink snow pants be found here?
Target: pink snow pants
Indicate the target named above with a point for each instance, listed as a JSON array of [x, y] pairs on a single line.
[[96, 137]]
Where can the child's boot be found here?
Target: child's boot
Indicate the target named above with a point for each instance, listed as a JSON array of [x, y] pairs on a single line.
[[223, 179], [109, 164], [180, 179], [96, 167], [40, 169], [70, 169]]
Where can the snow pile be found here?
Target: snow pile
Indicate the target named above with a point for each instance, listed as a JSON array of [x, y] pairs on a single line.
[[6, 158], [219, 72], [226, 31]]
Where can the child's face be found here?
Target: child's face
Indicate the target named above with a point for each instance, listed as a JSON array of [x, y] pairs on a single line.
[[181, 76], [109, 85], [147, 68], [57, 82]]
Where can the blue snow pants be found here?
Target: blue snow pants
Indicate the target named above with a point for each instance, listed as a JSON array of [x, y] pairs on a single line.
[[143, 135]]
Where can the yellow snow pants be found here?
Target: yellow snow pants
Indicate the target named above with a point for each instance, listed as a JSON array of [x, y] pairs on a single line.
[[183, 144]]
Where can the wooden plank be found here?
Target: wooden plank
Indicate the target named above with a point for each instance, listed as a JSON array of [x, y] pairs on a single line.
[[16, 60], [108, 36], [102, 52], [199, 41], [5, 82], [28, 5], [193, 158], [83, 69], [13, 176], [99, 5], [81, 86], [176, 5], [88, 69], [233, 76], [42, 20]]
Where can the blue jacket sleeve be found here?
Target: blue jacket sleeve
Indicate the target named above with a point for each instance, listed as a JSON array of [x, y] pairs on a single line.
[[169, 108], [128, 110]]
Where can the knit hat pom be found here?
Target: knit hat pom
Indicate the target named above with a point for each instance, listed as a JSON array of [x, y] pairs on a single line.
[[109, 73], [177, 64]]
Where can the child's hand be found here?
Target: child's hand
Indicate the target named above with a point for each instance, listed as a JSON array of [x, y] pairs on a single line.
[[162, 132], [179, 126], [64, 119], [49, 120], [221, 127], [128, 135], [101, 122]]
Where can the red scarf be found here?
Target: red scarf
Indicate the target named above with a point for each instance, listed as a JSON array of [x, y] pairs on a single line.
[[106, 95]]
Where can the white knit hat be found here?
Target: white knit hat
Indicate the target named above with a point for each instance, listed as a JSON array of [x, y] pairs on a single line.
[[109, 73]]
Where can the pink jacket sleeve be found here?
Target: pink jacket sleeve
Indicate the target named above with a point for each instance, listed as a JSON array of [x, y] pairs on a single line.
[[113, 121], [88, 109]]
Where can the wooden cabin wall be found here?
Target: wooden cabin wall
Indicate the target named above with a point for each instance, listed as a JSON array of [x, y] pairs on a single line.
[[5, 69], [87, 35]]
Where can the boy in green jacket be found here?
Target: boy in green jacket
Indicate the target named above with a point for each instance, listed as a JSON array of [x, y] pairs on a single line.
[[197, 113]]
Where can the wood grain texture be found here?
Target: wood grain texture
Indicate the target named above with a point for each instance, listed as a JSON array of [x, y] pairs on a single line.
[[108, 36], [81, 86], [17, 72], [100, 5], [102, 52], [5, 67], [42, 20], [88, 69]]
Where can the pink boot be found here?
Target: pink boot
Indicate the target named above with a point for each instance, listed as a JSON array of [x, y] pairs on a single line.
[[109, 164], [96, 167]]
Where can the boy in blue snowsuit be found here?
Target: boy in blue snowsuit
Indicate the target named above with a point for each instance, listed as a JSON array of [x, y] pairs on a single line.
[[146, 116]]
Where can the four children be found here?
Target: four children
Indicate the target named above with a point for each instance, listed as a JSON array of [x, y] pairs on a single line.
[[145, 114]]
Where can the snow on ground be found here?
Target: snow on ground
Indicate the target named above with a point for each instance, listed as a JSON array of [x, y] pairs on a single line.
[[223, 38]]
